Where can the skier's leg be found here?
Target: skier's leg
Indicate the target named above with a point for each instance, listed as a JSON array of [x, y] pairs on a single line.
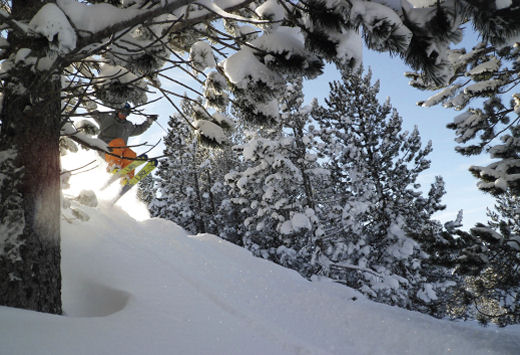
[[145, 171], [128, 153], [114, 161]]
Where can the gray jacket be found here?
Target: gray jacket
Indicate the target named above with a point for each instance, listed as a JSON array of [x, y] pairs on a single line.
[[111, 127]]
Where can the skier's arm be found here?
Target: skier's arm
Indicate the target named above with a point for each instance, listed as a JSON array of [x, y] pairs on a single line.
[[99, 117], [141, 128]]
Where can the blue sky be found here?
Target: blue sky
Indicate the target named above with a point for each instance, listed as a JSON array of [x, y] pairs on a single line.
[[462, 192]]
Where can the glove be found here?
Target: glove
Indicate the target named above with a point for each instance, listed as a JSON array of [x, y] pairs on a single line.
[[152, 118]]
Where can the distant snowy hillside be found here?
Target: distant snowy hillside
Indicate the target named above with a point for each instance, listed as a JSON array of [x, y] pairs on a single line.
[[146, 287]]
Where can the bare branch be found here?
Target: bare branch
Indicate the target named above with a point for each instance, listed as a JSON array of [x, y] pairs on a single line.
[[81, 167]]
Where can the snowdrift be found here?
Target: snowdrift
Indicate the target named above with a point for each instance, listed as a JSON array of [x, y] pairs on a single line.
[[147, 287]]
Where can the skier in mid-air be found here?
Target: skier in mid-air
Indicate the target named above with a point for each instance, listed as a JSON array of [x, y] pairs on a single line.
[[114, 129]]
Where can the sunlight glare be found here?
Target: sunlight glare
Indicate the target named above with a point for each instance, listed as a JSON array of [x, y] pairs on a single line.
[[93, 176]]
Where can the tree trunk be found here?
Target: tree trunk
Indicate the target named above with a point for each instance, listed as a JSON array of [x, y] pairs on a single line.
[[201, 226], [30, 275], [307, 184]]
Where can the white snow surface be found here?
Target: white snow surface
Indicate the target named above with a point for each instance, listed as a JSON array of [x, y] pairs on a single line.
[[146, 287], [372, 12], [202, 55], [502, 4], [110, 73], [89, 19], [350, 46], [244, 66], [211, 131], [282, 39], [490, 66], [398, 4], [271, 9], [422, 3], [51, 22]]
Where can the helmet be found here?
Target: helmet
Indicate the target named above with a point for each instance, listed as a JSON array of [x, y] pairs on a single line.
[[126, 109]]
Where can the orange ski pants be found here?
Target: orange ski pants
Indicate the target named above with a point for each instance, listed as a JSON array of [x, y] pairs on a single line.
[[118, 148]]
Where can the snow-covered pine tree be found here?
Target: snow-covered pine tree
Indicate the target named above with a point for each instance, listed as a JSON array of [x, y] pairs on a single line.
[[488, 260], [227, 218], [506, 212], [190, 181], [145, 189], [375, 165], [276, 190], [296, 120], [180, 195]]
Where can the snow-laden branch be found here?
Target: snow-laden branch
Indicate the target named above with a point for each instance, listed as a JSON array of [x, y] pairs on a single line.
[[111, 20]]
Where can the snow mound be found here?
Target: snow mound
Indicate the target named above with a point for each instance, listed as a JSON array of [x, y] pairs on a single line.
[[147, 287]]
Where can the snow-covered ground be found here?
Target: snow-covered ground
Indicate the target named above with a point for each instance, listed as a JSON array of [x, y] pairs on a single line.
[[135, 285], [146, 287]]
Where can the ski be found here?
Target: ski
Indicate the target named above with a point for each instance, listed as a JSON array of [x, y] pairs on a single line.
[[119, 173], [144, 172]]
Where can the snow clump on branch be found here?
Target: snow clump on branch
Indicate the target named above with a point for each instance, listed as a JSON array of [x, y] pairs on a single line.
[[52, 23]]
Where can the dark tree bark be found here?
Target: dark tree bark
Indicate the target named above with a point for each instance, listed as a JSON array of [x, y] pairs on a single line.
[[30, 275]]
